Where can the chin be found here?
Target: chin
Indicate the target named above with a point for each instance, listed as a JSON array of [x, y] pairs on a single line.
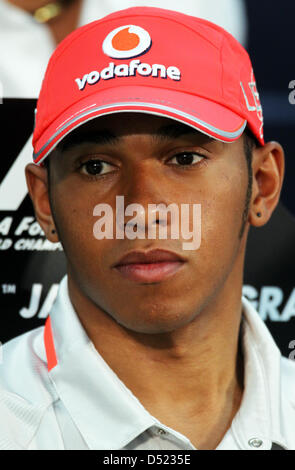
[[154, 321]]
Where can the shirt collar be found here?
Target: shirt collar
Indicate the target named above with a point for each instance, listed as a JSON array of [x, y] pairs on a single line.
[[109, 416]]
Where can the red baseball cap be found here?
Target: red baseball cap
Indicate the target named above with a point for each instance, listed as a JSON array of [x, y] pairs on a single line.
[[148, 60]]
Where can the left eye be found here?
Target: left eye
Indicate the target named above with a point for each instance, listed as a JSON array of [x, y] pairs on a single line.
[[96, 167], [186, 158]]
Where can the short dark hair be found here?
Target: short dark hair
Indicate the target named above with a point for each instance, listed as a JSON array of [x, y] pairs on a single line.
[[250, 143], [46, 163]]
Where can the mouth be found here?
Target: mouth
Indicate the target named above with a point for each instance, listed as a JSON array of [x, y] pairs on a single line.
[[149, 267]]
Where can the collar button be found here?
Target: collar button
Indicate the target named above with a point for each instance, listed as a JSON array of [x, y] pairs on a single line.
[[255, 443]]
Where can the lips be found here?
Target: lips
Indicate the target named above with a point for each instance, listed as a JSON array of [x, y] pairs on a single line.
[[151, 266]]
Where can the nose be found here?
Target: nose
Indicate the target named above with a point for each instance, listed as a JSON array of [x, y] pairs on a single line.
[[147, 193]]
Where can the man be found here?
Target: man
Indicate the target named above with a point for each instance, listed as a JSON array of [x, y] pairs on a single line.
[[149, 344]]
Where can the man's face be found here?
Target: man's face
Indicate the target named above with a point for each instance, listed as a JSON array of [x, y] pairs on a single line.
[[148, 160]]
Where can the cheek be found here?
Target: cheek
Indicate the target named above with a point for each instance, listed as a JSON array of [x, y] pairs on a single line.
[[221, 194], [73, 211], [222, 214]]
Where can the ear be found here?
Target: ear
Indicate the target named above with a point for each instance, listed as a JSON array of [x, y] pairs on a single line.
[[37, 182], [268, 166]]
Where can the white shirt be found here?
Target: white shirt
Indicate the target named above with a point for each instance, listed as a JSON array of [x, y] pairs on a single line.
[[25, 45], [80, 403]]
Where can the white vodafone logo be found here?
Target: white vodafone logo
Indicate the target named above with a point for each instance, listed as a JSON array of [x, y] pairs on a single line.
[[126, 41]]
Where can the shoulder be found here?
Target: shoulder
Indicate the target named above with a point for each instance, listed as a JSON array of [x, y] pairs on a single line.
[[23, 369], [26, 391]]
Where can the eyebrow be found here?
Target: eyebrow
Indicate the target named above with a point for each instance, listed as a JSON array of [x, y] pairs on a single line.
[[90, 137], [105, 136], [173, 131]]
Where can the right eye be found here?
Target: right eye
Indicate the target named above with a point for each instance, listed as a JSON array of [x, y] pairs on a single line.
[[96, 168]]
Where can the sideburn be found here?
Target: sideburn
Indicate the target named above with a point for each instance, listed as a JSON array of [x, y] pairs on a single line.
[[248, 148]]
